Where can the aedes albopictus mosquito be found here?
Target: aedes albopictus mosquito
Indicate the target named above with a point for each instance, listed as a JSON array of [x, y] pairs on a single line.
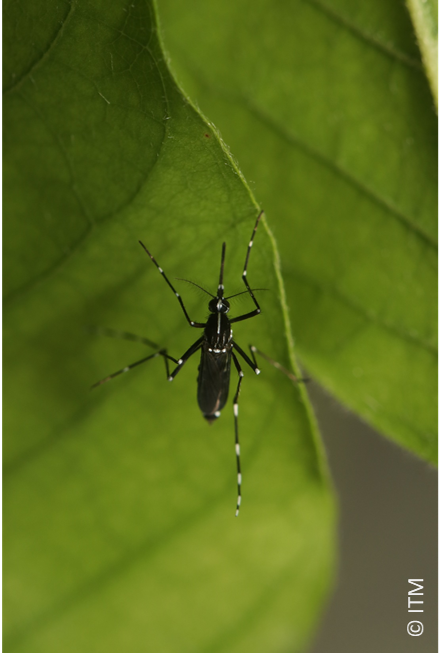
[[218, 348]]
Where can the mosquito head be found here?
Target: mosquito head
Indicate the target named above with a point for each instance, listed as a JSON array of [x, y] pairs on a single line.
[[219, 305]]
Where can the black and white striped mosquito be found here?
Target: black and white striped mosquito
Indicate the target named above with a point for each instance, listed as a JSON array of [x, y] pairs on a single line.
[[217, 346]]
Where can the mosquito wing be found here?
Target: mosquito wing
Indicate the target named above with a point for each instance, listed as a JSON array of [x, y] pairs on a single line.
[[213, 382]]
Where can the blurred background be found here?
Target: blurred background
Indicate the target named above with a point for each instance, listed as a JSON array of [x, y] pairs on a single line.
[[387, 534]]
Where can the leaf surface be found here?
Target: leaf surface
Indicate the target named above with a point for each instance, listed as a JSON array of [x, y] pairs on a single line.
[[119, 503], [328, 110]]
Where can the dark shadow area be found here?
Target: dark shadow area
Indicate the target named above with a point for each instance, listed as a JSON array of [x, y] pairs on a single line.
[[387, 535]]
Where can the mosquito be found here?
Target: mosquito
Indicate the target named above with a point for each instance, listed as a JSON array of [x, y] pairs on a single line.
[[218, 348]]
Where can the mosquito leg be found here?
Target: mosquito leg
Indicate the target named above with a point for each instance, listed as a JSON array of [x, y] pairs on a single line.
[[237, 442], [278, 366], [198, 325], [257, 309], [244, 275], [123, 335], [252, 363], [180, 363], [126, 335], [161, 352], [167, 366]]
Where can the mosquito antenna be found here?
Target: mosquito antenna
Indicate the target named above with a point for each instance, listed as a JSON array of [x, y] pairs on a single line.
[[197, 285], [245, 292]]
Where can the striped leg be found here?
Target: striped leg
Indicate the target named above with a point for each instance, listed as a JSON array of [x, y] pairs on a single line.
[[257, 309], [237, 442], [126, 335], [252, 363], [278, 366], [198, 325], [123, 335], [180, 363], [161, 352]]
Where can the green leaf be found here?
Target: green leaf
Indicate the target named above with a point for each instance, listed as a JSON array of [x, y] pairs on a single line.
[[119, 503], [424, 15], [326, 106]]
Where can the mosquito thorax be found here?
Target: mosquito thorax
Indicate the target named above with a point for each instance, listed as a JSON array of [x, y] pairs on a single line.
[[219, 305]]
